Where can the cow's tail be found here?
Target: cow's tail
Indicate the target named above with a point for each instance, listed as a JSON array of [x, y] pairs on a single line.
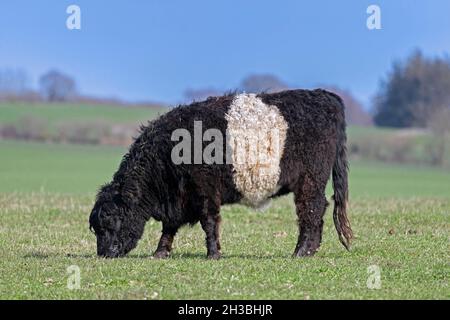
[[340, 182]]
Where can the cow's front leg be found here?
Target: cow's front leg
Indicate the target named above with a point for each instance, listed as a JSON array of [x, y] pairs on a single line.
[[210, 225], [310, 204], [210, 220], [165, 243]]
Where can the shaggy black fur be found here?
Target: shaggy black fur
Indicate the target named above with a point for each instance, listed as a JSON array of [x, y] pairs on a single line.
[[148, 185]]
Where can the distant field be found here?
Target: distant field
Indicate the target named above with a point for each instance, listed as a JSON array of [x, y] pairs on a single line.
[[26, 167], [103, 124], [400, 216], [52, 113]]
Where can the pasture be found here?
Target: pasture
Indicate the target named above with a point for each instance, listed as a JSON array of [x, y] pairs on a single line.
[[400, 216], [11, 113]]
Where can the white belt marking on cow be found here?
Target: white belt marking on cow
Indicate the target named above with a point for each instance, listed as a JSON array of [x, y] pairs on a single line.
[[256, 134]]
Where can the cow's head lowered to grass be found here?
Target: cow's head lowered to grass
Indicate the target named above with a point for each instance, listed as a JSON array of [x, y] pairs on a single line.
[[115, 222]]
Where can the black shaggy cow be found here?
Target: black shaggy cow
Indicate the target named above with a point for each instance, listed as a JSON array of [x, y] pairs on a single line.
[[252, 148]]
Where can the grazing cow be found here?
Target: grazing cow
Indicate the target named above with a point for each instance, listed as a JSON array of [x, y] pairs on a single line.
[[299, 137]]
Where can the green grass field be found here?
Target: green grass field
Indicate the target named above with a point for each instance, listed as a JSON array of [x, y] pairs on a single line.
[[11, 113], [400, 216]]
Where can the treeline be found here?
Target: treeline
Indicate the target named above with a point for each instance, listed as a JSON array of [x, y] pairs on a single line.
[[255, 83], [53, 86], [56, 86], [414, 92], [413, 96]]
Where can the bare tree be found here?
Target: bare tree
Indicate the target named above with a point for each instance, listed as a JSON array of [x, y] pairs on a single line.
[[200, 94], [354, 111], [13, 83], [263, 82], [56, 86]]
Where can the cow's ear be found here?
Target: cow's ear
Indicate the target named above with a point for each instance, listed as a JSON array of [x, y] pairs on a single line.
[[131, 192]]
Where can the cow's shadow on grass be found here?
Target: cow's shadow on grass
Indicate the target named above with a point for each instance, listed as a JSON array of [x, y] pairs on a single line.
[[40, 255], [202, 256], [47, 255], [174, 256]]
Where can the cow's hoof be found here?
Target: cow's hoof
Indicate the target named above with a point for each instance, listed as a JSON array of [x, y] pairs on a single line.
[[161, 254], [304, 252], [214, 256]]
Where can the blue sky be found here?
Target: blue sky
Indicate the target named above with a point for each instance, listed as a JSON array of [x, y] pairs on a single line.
[[155, 50]]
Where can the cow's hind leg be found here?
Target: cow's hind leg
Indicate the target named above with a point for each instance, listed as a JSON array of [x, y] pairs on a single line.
[[210, 221], [310, 204], [165, 243], [217, 233]]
